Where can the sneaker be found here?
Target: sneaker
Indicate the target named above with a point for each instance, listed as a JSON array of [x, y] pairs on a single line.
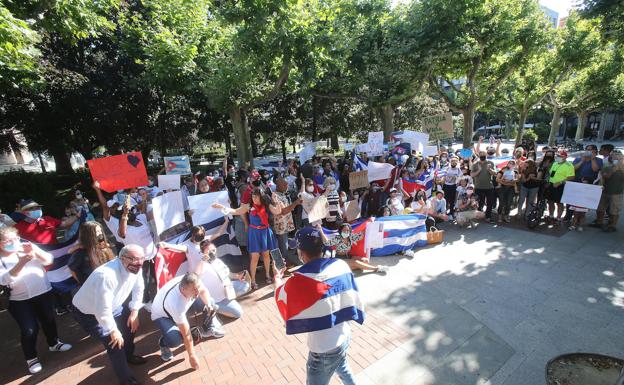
[[34, 366], [165, 353], [410, 253], [571, 228], [211, 331], [580, 228], [60, 347], [148, 307], [382, 269]]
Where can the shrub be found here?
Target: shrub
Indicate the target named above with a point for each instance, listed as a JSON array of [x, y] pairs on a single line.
[[529, 134]]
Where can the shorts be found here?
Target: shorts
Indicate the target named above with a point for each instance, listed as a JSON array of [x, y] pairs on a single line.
[[611, 203], [554, 194], [463, 217]]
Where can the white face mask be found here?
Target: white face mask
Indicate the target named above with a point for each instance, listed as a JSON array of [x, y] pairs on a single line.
[[345, 234], [559, 159], [310, 189], [331, 187], [469, 192], [343, 199]]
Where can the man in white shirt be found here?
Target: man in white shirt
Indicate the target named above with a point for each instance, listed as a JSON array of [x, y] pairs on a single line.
[[169, 309], [451, 179], [101, 312]]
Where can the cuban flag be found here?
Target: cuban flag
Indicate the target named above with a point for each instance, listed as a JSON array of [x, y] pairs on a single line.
[[170, 263], [358, 163], [401, 233], [319, 296], [357, 248], [58, 272], [411, 186], [426, 180]]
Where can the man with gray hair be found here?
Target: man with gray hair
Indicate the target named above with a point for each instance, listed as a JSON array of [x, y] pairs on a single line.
[[101, 312], [169, 309]]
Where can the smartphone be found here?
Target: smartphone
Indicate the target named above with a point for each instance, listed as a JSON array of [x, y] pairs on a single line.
[[276, 255]]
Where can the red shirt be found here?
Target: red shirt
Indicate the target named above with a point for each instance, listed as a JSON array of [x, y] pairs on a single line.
[[246, 197], [41, 231]]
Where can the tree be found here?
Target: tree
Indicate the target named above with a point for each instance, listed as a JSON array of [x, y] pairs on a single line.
[[18, 52], [610, 13], [489, 41]]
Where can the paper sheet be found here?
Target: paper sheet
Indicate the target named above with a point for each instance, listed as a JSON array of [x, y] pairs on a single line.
[[201, 205], [168, 210]]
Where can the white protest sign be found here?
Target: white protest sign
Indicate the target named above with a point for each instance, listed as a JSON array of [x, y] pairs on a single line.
[[379, 171], [430, 151], [362, 148], [417, 140], [348, 146], [307, 152], [168, 210], [201, 205], [169, 182], [320, 209], [375, 143], [374, 235], [581, 195]]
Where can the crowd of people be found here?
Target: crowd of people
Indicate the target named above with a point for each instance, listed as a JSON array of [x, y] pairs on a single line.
[[113, 258]]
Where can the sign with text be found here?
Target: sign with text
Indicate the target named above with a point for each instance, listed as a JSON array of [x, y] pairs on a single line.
[[179, 165], [119, 172], [439, 126], [374, 235], [375, 143], [358, 179], [581, 195], [320, 209]]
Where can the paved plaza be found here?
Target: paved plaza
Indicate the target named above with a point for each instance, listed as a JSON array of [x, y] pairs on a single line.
[[489, 306]]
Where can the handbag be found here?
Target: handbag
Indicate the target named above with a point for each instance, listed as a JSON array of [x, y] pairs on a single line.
[[435, 236], [5, 292]]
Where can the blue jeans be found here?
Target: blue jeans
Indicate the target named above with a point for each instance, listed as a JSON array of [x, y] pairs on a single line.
[[321, 366], [228, 307], [117, 356], [171, 336]]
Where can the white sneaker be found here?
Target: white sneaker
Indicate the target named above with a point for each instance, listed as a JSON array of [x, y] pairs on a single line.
[[60, 347], [410, 253], [165, 353], [382, 269], [34, 366], [211, 331], [580, 228]]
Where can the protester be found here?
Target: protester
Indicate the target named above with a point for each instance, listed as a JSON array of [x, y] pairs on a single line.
[[81, 203], [71, 216], [482, 172], [35, 227], [587, 165], [612, 193], [31, 302], [92, 251], [308, 196], [283, 222], [467, 207], [560, 172], [506, 179], [530, 182], [451, 177], [437, 207], [395, 202], [102, 312], [578, 219]]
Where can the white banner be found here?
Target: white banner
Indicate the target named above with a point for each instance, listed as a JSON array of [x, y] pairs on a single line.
[[168, 210], [201, 205], [169, 182], [307, 152], [581, 195], [379, 171], [430, 151]]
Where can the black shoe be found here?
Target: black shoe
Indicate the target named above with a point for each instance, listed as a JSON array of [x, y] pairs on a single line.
[[136, 360], [131, 381]]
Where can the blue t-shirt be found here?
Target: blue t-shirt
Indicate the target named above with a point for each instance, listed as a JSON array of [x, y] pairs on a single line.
[[586, 171]]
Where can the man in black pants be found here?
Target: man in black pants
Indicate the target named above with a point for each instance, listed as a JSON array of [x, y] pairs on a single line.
[[482, 173], [453, 173]]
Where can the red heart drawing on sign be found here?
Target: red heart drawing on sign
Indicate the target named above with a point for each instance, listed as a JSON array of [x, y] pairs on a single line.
[[133, 160]]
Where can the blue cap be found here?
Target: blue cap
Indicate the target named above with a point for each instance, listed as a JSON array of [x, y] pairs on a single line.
[[309, 239]]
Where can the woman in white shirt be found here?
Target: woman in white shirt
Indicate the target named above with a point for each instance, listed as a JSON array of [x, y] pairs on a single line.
[[31, 302]]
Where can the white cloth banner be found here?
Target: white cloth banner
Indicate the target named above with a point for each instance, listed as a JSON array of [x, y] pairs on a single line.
[[581, 195], [169, 182], [379, 171], [201, 205], [168, 210], [307, 152], [375, 143]]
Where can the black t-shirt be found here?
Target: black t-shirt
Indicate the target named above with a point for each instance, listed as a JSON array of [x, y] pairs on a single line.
[[533, 182], [231, 188], [80, 264]]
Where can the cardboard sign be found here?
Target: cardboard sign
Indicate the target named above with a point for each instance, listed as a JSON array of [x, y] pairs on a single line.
[[439, 126], [201, 205], [177, 165], [169, 182], [375, 143], [119, 172], [320, 209], [465, 153], [581, 195], [378, 171], [168, 210], [358, 179], [352, 210]]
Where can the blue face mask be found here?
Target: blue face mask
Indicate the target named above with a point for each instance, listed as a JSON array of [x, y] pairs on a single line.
[[12, 247], [35, 214]]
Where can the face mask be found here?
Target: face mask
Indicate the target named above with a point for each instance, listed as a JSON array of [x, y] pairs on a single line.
[[454, 165], [345, 234], [490, 153], [331, 187], [310, 189], [256, 183], [134, 195], [558, 159], [134, 268], [100, 239], [35, 214], [212, 255], [78, 196], [469, 192], [482, 158], [13, 247], [198, 238], [343, 199]]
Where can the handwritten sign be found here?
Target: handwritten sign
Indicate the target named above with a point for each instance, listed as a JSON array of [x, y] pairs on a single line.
[[374, 235], [581, 195], [352, 210], [169, 182], [358, 179], [439, 126], [177, 165], [320, 209], [119, 172], [375, 143]]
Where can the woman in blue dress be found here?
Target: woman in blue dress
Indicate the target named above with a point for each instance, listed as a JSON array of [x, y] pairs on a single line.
[[259, 233]]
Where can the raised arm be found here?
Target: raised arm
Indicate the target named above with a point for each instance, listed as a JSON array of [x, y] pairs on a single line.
[[242, 210], [220, 230], [102, 200]]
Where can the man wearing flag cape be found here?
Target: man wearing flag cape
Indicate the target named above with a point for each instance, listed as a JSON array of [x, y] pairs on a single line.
[[319, 299]]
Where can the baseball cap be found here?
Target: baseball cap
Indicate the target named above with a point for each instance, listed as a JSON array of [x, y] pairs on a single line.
[[562, 153], [470, 186], [309, 239], [27, 204]]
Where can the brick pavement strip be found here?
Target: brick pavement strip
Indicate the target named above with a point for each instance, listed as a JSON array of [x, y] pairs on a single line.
[[254, 351]]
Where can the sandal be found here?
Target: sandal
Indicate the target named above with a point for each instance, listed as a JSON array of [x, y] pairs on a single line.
[[269, 280], [254, 286]]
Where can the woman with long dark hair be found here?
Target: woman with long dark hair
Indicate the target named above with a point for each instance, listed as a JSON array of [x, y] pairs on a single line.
[[92, 251]]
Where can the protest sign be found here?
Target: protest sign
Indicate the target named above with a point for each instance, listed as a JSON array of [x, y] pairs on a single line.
[[320, 209], [379, 171], [307, 152], [362, 148], [352, 210], [439, 126], [201, 206], [465, 153], [358, 179], [168, 210], [177, 165], [348, 146], [169, 182], [430, 151], [416, 140], [119, 172], [374, 235], [375, 143], [581, 195]]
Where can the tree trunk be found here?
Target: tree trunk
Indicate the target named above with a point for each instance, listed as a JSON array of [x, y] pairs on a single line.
[[283, 142], [387, 120], [63, 162], [334, 140], [520, 134], [469, 112], [241, 137], [603, 126], [42, 162], [582, 122], [554, 126], [228, 143]]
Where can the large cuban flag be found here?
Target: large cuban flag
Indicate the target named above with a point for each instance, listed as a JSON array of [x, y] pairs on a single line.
[[401, 233], [320, 295], [58, 272]]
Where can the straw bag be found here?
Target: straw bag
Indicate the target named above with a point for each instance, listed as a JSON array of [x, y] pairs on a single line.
[[435, 236]]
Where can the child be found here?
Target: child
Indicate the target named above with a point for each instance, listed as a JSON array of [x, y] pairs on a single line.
[[578, 220]]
